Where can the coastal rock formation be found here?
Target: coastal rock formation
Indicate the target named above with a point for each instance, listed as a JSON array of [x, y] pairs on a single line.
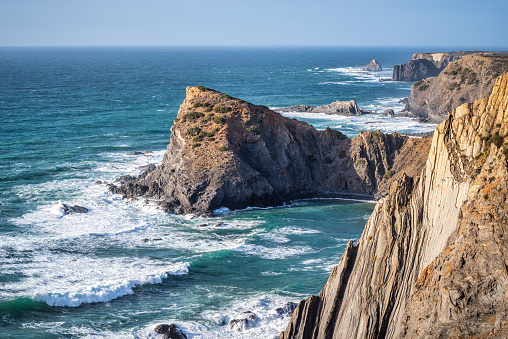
[[441, 60], [225, 152], [373, 66], [338, 107], [465, 80], [432, 259], [414, 70]]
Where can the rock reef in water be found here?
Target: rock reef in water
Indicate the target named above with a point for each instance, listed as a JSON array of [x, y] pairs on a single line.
[[465, 80], [432, 259], [225, 152], [347, 108], [373, 66]]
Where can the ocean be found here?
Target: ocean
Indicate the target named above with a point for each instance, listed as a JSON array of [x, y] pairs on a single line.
[[74, 116]]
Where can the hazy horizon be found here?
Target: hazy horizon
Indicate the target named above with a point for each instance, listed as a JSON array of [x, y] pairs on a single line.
[[263, 23]]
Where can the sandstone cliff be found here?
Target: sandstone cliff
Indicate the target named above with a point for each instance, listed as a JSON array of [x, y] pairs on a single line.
[[441, 60], [432, 260], [465, 80], [346, 108], [225, 152]]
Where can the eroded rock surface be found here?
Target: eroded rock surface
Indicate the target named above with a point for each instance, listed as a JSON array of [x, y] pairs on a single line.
[[432, 260], [346, 108], [465, 80], [373, 66], [225, 152]]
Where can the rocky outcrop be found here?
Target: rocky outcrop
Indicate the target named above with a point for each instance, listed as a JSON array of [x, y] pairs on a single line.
[[373, 66], [441, 60], [432, 259], [225, 152], [414, 70], [465, 80], [347, 108]]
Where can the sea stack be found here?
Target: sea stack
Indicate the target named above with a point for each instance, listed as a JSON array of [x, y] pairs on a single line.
[[225, 152], [431, 262], [373, 66]]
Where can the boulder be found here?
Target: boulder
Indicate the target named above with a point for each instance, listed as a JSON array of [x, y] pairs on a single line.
[[170, 331], [388, 112]]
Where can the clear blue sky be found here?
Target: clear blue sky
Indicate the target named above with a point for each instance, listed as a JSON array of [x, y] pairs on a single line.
[[254, 22]]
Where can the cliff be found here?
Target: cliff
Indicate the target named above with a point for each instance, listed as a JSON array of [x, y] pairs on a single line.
[[346, 108], [225, 152], [432, 260], [441, 60], [414, 70], [468, 79]]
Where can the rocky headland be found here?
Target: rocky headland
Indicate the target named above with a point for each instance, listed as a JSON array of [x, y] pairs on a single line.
[[432, 261], [425, 65], [469, 78], [225, 152], [347, 108], [373, 66], [414, 70]]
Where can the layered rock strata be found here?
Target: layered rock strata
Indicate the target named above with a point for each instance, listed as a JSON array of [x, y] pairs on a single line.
[[432, 260], [465, 80], [225, 152], [346, 108]]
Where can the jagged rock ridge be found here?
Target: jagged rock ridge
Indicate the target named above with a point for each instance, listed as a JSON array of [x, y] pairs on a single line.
[[225, 152], [346, 108], [432, 260]]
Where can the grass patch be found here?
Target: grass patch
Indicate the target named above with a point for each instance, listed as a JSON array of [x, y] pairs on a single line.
[[222, 109], [219, 120], [193, 115]]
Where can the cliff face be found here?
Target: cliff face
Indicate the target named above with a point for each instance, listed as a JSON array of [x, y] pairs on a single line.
[[414, 70], [441, 60], [225, 152], [465, 80], [432, 260]]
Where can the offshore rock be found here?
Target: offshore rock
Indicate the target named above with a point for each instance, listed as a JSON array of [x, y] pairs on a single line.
[[432, 259], [373, 66], [468, 79], [347, 108], [414, 70], [225, 152]]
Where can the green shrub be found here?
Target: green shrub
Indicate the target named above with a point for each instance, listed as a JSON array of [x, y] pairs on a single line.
[[223, 148], [177, 119], [212, 133], [222, 109], [208, 108], [423, 87], [389, 174], [193, 115], [197, 144], [210, 139], [203, 88], [197, 139], [193, 131], [225, 96], [219, 120]]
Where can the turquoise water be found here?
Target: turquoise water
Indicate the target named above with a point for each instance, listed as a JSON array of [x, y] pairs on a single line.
[[70, 118]]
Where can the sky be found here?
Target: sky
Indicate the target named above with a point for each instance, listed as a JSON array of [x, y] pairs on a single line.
[[254, 23]]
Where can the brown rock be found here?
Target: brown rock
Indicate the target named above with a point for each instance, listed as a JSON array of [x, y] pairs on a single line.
[[239, 155], [432, 259]]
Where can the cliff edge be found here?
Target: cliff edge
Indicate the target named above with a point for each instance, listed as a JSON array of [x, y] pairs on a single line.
[[432, 260], [465, 80], [225, 152]]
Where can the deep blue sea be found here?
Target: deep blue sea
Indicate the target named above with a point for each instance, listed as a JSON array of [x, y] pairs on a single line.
[[71, 116]]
